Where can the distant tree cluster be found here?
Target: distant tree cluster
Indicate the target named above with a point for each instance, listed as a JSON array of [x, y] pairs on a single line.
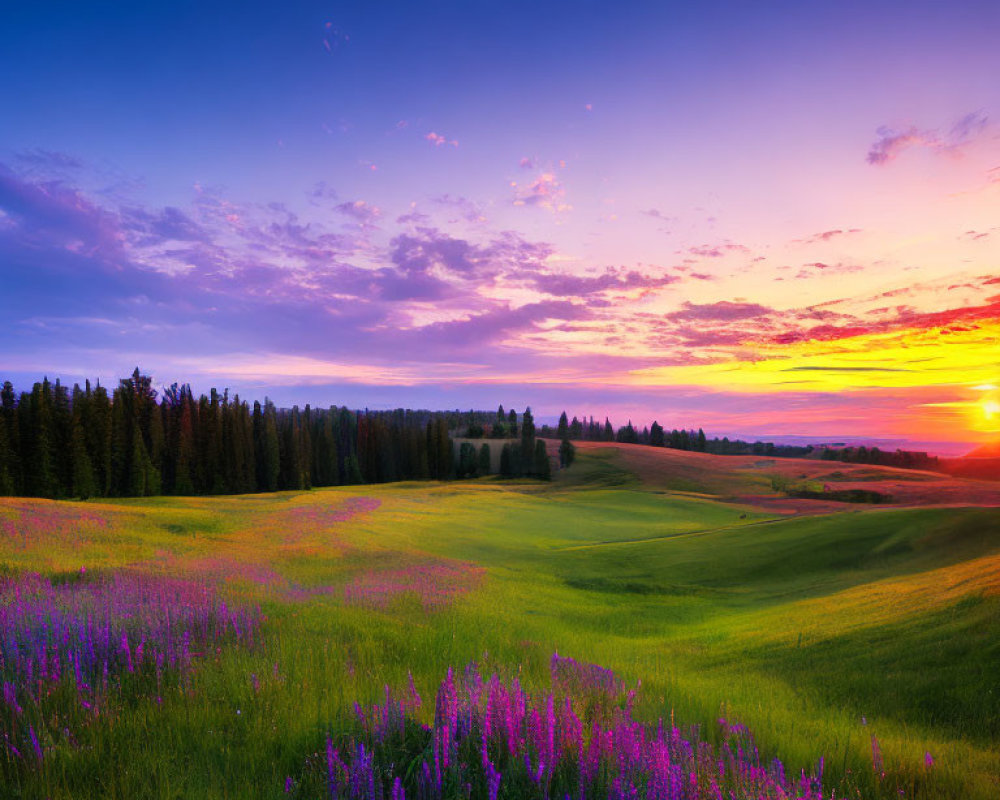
[[588, 429], [906, 459], [526, 456], [87, 442]]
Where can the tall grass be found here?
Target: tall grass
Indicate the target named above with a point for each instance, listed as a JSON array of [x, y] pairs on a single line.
[[817, 633]]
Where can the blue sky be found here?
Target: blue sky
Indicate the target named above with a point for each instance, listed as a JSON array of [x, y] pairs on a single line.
[[627, 207]]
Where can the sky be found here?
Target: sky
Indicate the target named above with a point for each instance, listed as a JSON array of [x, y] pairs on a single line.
[[765, 219]]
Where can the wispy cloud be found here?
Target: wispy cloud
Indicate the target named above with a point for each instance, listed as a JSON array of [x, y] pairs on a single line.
[[438, 139], [891, 142], [545, 191]]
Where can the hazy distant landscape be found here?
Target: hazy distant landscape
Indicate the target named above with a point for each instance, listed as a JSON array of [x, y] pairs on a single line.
[[451, 400], [827, 629]]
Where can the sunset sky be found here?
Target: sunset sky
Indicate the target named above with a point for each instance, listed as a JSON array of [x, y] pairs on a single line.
[[758, 218]]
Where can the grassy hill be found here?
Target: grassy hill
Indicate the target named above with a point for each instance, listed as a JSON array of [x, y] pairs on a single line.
[[822, 626]]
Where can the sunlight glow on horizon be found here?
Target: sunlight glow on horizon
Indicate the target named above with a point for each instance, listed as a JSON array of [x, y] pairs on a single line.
[[628, 233]]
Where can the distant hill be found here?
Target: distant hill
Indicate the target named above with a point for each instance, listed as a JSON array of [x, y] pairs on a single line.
[[982, 463], [991, 450], [752, 479]]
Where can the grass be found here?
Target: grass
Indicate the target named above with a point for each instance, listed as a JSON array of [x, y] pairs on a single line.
[[818, 632]]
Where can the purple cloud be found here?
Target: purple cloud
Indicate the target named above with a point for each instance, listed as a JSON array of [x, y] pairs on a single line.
[[717, 250], [891, 142], [565, 285], [723, 311], [545, 191]]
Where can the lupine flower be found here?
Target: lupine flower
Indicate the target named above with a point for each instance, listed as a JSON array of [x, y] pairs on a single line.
[[485, 729]]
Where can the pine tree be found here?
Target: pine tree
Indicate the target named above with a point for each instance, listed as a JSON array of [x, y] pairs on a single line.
[[506, 462], [656, 435], [8, 419], [609, 432], [83, 483], [484, 459], [567, 453], [40, 473], [352, 470], [7, 461], [542, 467], [98, 435], [467, 461], [527, 442], [62, 436], [562, 430]]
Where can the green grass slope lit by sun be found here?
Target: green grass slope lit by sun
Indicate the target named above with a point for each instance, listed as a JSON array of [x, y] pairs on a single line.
[[818, 629]]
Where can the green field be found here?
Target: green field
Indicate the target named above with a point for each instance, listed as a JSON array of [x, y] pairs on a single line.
[[818, 631]]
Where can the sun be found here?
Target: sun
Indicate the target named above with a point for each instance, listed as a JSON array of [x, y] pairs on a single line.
[[991, 409]]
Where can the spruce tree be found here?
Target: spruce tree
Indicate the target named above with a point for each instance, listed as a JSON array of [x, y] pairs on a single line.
[[542, 467], [562, 431], [7, 461], [567, 453], [484, 460], [467, 461], [270, 476], [506, 462], [41, 475], [98, 434], [83, 483], [8, 419], [527, 442]]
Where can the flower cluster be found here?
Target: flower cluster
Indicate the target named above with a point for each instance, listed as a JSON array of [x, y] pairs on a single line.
[[491, 739]]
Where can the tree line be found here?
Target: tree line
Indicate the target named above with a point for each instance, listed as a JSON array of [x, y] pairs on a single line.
[[84, 442], [588, 429]]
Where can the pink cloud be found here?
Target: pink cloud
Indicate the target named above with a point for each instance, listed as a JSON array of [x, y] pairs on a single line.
[[891, 142], [612, 280], [437, 139], [717, 250], [545, 192], [724, 310]]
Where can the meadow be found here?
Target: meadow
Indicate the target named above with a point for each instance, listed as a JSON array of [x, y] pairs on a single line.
[[283, 645]]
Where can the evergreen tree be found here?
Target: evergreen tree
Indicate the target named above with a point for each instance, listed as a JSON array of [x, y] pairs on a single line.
[[62, 435], [7, 461], [609, 432], [542, 467], [98, 434], [83, 483], [184, 450], [468, 463], [527, 442], [702, 444], [41, 479], [8, 419], [353, 471], [627, 434], [512, 423], [567, 453], [506, 462], [562, 430], [484, 460], [270, 457], [656, 438]]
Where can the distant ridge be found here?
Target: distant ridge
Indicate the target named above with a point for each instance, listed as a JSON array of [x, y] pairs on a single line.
[[991, 450]]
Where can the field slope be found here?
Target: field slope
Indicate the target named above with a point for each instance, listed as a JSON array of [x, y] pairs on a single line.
[[823, 626]]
